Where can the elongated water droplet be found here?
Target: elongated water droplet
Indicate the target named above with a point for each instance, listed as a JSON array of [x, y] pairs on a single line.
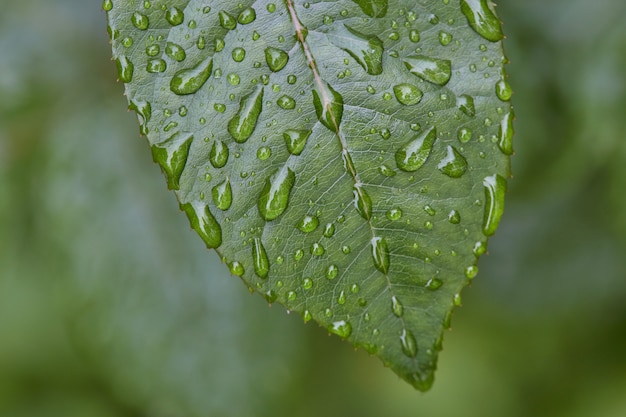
[[308, 224], [140, 21], [414, 154], [296, 140], [503, 90], [247, 15], [495, 187], [144, 113], [341, 328], [367, 50], [227, 21], [454, 164], [176, 52], [203, 222], [274, 197], [125, 69], [259, 259], [328, 107], [505, 134], [408, 343], [219, 154], [244, 122], [188, 81], [380, 254], [436, 71], [407, 94], [465, 103], [222, 195], [172, 157], [386, 171], [396, 307], [276, 58], [482, 19], [174, 16], [362, 202], [373, 8], [329, 230]]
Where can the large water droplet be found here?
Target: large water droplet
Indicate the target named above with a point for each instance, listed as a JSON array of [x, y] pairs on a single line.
[[247, 15], [341, 328], [259, 259], [125, 69], [396, 307], [308, 224], [373, 8], [203, 222], [380, 254], [222, 195], [244, 122], [188, 81], [276, 58], [274, 197], [482, 19], [328, 107], [174, 16], [285, 102], [436, 71], [495, 187], [219, 154], [414, 153], [505, 134], [172, 157], [367, 50], [140, 21], [227, 21], [408, 343], [176, 52], [503, 90], [107, 5], [454, 164], [407, 94], [296, 140], [362, 202], [236, 268], [465, 103]]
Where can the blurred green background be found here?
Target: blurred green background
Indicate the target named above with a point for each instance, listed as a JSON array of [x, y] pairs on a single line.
[[111, 306]]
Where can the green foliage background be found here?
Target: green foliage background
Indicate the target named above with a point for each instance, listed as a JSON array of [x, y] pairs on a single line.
[[109, 306]]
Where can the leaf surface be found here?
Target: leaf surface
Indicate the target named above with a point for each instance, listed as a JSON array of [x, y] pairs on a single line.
[[346, 159]]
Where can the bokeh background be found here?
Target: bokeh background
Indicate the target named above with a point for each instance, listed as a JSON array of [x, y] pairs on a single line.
[[111, 307]]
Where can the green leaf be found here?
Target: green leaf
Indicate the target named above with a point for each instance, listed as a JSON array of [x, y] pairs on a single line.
[[347, 159]]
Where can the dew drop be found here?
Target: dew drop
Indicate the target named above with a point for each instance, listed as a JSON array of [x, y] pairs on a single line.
[[434, 284], [222, 195], [238, 54], [276, 58], [386, 171], [172, 157], [436, 71], [274, 197], [259, 259], [236, 268], [107, 5], [263, 153], [503, 90], [140, 21], [153, 50], [247, 15], [176, 52], [188, 81], [394, 214], [174, 16], [227, 21], [408, 343], [286, 103], [317, 249], [362, 202], [144, 112], [414, 154], [465, 103], [495, 187], [380, 254], [464, 135], [270, 296], [308, 224], [332, 271], [505, 134], [479, 248], [244, 122], [407, 94], [341, 300], [307, 283], [307, 316], [482, 19], [125, 69], [341, 328], [329, 230], [219, 154], [156, 65], [328, 105], [414, 35], [453, 164], [454, 217], [203, 222], [444, 38], [296, 140], [396, 307], [471, 271]]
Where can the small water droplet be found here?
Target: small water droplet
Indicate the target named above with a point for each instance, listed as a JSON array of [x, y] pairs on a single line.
[[454, 217], [408, 343], [453, 164], [332, 271], [296, 140], [238, 54], [259, 259], [464, 135], [341, 328], [276, 58], [236, 268], [125, 69], [414, 35], [482, 19], [156, 65], [495, 187], [329, 230], [328, 105], [172, 157], [174, 16], [271, 7], [244, 122], [263, 153], [479, 248], [247, 15], [341, 300], [140, 21], [414, 154], [317, 249], [505, 134], [434, 284], [396, 307], [308, 224], [270, 296], [386, 171], [222, 195], [227, 21], [407, 94], [394, 214], [203, 222], [436, 71], [465, 103], [274, 197], [188, 81], [471, 271], [144, 113], [176, 52], [444, 38], [286, 103]]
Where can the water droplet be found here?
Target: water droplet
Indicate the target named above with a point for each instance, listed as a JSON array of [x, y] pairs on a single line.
[[380, 254], [271, 7], [307, 316], [396, 307], [464, 135], [244, 122], [317, 249], [362, 202], [296, 140], [259, 259], [482, 19], [270, 296], [222, 195], [140, 21], [373, 8], [156, 65], [367, 50], [263, 153], [386, 171], [465, 103], [414, 154], [479, 248], [172, 157], [503, 90], [408, 343], [407, 94], [328, 107], [495, 187], [188, 81], [176, 52], [247, 15], [238, 54], [125, 69], [341, 328], [341, 300], [144, 112], [307, 283], [286, 103], [414, 35], [457, 300], [276, 58], [454, 217], [107, 5], [332, 271], [471, 271], [153, 50], [203, 222], [329, 230], [219, 154], [174, 16], [227, 21], [434, 284], [236, 268], [274, 197], [453, 164], [505, 134], [219, 44], [308, 224], [436, 71], [394, 214], [444, 38]]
